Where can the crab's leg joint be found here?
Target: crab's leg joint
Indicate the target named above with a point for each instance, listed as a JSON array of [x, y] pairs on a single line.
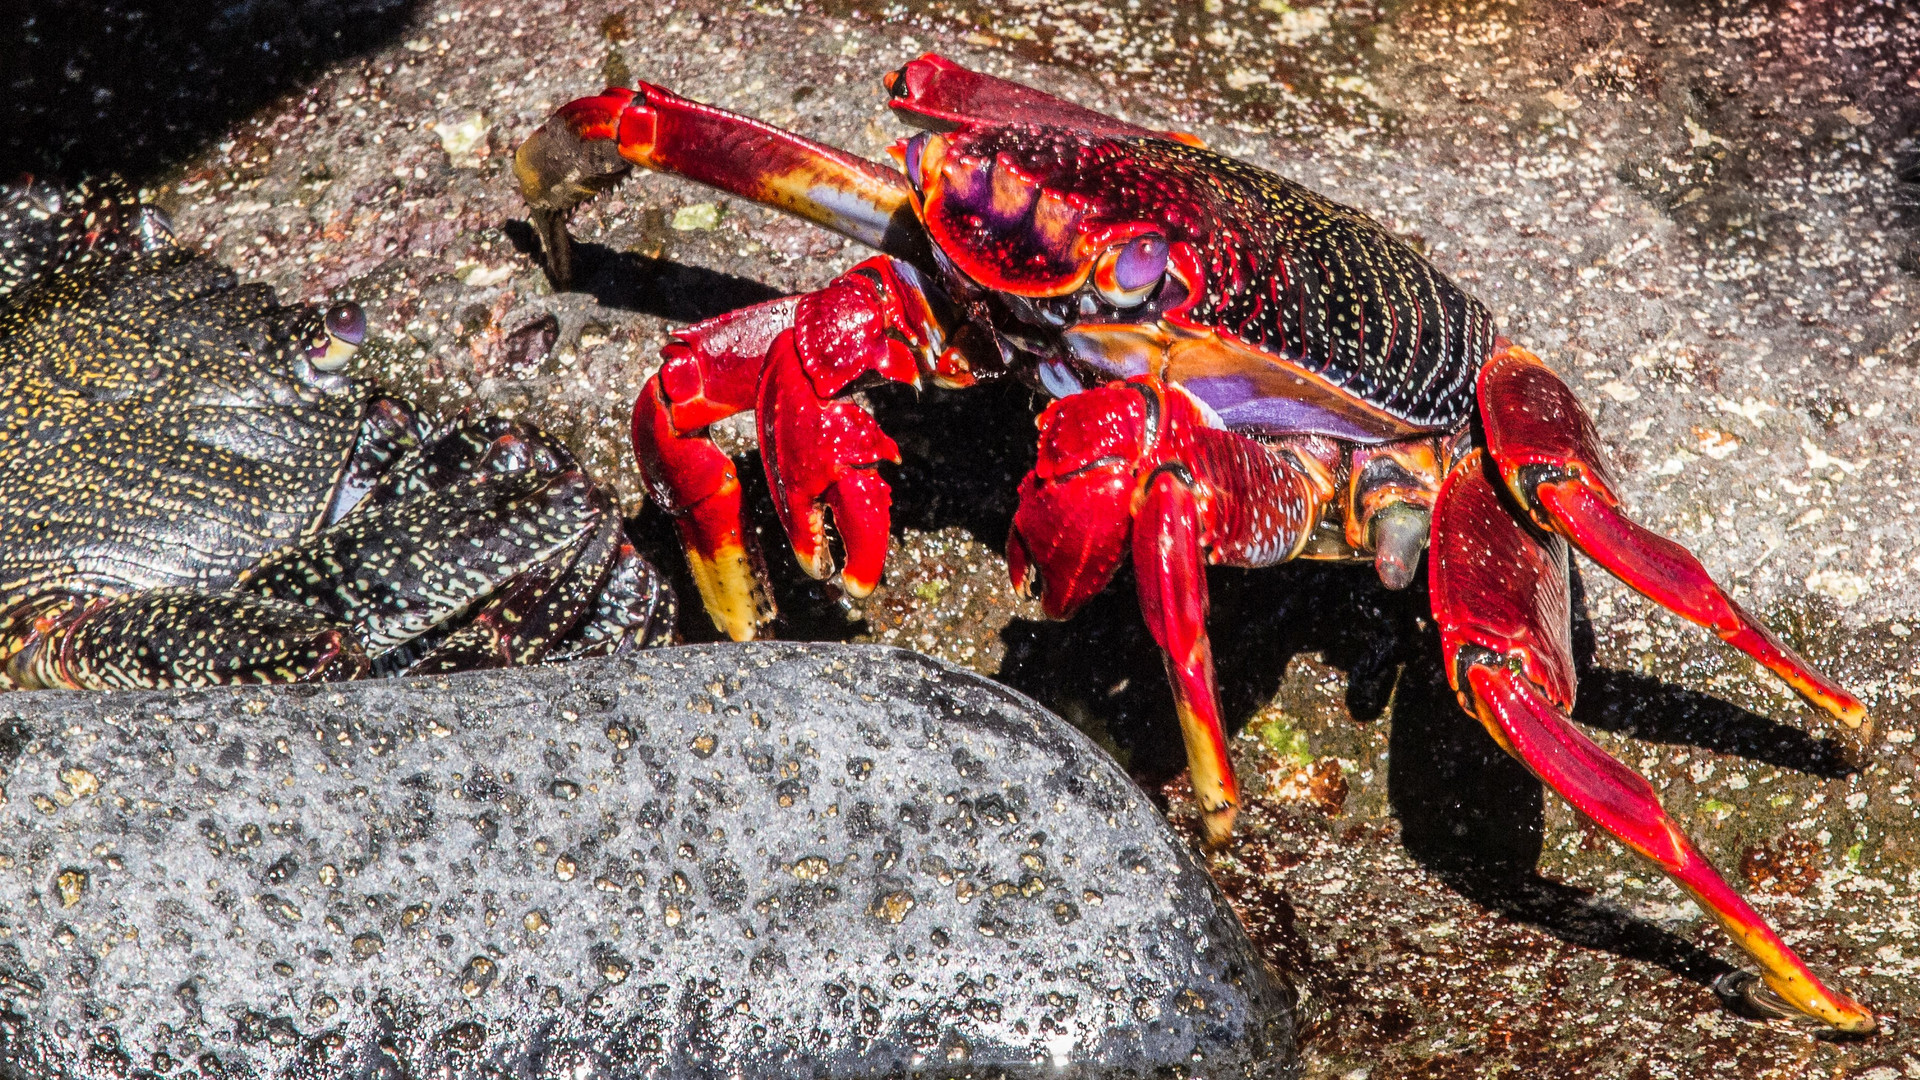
[[1134, 468], [1500, 595], [1547, 451], [590, 144]]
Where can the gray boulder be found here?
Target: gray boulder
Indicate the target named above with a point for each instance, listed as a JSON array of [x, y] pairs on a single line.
[[767, 860]]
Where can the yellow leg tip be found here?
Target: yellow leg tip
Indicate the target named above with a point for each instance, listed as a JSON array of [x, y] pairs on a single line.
[[731, 592], [1217, 825]]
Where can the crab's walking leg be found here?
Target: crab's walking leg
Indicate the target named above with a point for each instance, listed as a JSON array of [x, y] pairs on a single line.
[[590, 144], [1500, 596], [163, 638], [1549, 455], [1134, 466], [790, 361]]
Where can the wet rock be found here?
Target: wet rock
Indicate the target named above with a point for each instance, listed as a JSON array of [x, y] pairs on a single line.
[[761, 860]]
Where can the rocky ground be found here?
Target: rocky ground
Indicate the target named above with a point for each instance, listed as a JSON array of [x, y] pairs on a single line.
[[1695, 210]]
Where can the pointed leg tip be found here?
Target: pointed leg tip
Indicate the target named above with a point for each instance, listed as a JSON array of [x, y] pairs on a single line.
[[1795, 996], [730, 591], [1216, 825], [856, 587], [1847, 710]]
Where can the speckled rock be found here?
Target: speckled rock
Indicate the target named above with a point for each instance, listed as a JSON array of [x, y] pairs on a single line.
[[768, 860]]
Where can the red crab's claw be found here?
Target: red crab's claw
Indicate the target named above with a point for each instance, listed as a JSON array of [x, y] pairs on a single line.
[[794, 362], [1076, 506], [590, 144], [1500, 596], [1134, 469]]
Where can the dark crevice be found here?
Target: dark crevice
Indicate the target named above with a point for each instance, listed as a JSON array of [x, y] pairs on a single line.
[[134, 86]]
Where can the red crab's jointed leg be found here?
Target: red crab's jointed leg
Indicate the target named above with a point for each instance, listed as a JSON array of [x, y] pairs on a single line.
[[590, 143], [790, 360], [1138, 458], [1501, 598], [1549, 455]]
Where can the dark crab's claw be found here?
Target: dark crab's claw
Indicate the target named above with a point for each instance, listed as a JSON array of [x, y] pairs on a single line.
[[1500, 596], [590, 144]]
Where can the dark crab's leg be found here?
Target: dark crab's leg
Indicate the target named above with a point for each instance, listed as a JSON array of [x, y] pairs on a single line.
[[484, 544], [1500, 596], [164, 638], [590, 144], [534, 611], [634, 609], [1133, 468], [1548, 453]]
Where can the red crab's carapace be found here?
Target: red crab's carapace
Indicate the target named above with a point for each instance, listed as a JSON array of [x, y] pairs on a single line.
[[1246, 372]]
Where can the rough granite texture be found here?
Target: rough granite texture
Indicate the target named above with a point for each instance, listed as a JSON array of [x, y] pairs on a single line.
[[745, 861], [1701, 211]]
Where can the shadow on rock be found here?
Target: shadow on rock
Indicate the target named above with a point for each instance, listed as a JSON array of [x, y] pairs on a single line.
[[963, 453], [630, 281], [1474, 816], [1646, 708], [132, 86], [1643, 707]]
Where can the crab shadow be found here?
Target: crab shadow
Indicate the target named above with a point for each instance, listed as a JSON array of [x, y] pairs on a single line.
[[1468, 812], [630, 281]]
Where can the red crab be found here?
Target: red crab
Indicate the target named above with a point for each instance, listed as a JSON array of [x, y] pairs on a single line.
[[1246, 373]]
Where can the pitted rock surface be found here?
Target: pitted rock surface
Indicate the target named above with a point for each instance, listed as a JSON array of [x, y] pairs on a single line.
[[762, 860]]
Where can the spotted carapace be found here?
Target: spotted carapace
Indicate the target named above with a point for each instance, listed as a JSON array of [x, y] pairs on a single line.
[[194, 491]]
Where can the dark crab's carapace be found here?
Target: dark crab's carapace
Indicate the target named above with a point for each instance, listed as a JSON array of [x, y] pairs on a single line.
[[1246, 372], [193, 490]]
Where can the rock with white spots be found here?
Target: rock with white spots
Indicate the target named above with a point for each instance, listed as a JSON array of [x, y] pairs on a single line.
[[764, 860]]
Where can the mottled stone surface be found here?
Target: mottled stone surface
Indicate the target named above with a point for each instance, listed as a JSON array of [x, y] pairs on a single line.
[[758, 861]]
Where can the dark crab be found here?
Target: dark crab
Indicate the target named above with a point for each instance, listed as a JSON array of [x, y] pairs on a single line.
[[1247, 372], [193, 491]]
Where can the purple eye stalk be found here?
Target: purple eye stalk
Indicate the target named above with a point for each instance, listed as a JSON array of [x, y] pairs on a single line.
[[1125, 276], [346, 326]]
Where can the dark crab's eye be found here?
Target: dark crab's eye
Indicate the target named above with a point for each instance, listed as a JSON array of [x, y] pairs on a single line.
[[346, 326], [1125, 276], [347, 322]]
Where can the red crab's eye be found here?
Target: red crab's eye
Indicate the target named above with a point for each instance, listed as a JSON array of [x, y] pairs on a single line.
[[1125, 276], [914, 146], [925, 155]]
